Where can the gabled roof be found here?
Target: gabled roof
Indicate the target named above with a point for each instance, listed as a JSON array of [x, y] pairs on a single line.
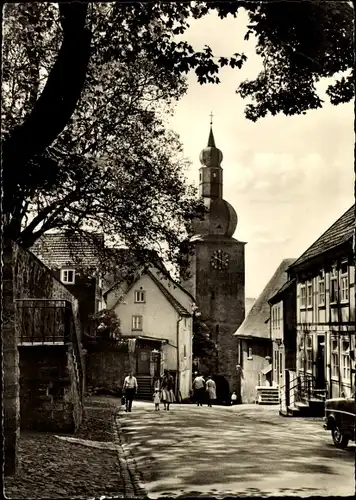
[[162, 269], [256, 322], [340, 232], [174, 302], [171, 299], [61, 249]]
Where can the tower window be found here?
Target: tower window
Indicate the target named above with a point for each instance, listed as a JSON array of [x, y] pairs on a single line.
[[217, 329], [200, 177], [212, 295]]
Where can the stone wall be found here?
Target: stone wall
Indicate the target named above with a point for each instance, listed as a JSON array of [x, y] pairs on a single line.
[[24, 276], [10, 364], [48, 392], [106, 367]]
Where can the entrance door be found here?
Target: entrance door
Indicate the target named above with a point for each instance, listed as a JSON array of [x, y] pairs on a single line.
[[320, 363], [143, 361]]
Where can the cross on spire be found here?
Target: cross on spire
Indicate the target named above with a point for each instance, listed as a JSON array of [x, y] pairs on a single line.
[[211, 117]]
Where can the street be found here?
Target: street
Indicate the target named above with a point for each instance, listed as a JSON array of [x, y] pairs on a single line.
[[244, 450]]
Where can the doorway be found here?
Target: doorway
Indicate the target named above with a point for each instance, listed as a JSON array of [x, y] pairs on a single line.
[[320, 363], [143, 361]]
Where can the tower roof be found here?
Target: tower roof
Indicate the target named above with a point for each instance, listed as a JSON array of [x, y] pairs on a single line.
[[211, 156], [211, 140]]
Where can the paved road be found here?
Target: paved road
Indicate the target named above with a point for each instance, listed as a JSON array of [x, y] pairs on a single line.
[[246, 450]]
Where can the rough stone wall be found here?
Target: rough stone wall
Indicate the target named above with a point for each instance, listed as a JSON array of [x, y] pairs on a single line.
[[10, 364], [106, 368], [49, 399], [24, 276]]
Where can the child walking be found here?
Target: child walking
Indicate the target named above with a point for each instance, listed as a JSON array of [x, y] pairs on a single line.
[[156, 399]]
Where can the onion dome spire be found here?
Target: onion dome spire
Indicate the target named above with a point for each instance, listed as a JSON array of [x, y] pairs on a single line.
[[211, 156]]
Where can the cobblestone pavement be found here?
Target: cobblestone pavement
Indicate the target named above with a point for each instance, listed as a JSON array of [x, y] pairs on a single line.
[[246, 450], [91, 464]]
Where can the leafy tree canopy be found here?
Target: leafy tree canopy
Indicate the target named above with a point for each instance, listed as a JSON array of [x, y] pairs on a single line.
[[86, 88]]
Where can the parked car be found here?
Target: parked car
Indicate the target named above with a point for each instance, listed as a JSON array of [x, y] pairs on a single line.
[[340, 414]]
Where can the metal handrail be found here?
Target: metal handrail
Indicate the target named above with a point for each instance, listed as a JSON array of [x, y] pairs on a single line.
[[305, 385]]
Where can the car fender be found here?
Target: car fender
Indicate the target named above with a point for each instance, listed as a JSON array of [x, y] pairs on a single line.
[[330, 421]]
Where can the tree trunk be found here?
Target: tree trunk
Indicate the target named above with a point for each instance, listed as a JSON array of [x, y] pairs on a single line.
[[55, 105]]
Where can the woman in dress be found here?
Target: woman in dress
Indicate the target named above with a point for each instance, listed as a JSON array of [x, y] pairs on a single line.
[[211, 390], [167, 389]]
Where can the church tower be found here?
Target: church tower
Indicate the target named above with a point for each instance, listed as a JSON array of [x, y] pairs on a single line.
[[217, 267]]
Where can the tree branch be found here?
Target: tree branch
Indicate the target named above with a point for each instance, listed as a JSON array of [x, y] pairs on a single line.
[[60, 95]]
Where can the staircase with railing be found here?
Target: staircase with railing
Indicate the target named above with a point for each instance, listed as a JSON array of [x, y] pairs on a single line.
[[300, 396]]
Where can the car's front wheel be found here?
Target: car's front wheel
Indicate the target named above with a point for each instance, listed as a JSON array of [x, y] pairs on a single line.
[[339, 439]]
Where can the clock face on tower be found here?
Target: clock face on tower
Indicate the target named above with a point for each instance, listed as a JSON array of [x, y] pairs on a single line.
[[219, 260]]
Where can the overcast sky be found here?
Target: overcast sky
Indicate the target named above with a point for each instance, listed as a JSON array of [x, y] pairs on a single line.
[[288, 178]]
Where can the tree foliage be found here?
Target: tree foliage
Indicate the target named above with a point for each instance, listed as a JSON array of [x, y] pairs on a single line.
[[115, 167], [86, 88]]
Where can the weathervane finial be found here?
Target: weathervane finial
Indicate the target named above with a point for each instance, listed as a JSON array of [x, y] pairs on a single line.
[[211, 117]]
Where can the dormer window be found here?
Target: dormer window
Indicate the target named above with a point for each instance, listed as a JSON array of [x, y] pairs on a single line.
[[140, 296], [68, 276]]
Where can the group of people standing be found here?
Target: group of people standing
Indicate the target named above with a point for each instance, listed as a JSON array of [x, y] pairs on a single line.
[[203, 390]]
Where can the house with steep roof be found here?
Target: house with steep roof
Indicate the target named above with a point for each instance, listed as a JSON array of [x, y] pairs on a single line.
[[156, 314], [255, 343], [325, 313], [76, 263]]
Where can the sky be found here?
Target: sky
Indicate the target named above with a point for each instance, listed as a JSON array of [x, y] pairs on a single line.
[[288, 178]]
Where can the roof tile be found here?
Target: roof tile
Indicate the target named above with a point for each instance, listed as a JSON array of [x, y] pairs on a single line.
[[341, 231]]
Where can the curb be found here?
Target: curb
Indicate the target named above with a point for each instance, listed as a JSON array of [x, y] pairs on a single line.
[[128, 468]]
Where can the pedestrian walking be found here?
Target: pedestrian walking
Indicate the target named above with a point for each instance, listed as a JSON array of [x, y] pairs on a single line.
[[211, 390], [130, 389], [199, 389], [167, 389], [156, 399]]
